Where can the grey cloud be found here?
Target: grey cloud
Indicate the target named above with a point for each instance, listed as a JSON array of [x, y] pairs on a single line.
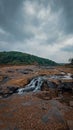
[[21, 27], [11, 17], [9, 13], [68, 15], [66, 23], [68, 48]]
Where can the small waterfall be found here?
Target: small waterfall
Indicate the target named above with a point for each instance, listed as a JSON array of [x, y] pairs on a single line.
[[34, 85]]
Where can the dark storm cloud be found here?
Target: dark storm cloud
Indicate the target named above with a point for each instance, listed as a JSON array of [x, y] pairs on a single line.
[[12, 21], [26, 25], [68, 15], [10, 16]]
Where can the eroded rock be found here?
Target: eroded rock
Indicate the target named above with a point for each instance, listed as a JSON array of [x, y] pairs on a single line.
[[66, 87]]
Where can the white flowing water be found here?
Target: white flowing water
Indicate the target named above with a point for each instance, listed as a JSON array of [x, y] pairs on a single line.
[[61, 76], [68, 76], [36, 83]]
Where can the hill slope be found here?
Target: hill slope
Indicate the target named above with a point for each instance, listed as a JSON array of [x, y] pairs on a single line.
[[19, 58]]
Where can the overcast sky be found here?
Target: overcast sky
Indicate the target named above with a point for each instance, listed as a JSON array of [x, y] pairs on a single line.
[[40, 27]]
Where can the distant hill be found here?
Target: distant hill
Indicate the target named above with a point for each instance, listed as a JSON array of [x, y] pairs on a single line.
[[19, 58]]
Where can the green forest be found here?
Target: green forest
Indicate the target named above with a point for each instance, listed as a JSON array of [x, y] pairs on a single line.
[[19, 58]]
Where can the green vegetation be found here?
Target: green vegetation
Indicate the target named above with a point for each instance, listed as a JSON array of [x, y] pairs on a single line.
[[19, 58]]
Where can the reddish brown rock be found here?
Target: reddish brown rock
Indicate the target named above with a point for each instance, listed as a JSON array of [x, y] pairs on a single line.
[[44, 110]]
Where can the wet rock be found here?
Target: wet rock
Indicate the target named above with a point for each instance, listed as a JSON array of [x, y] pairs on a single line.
[[72, 76], [8, 91], [52, 85], [24, 71], [45, 86], [71, 103], [70, 124], [66, 87], [29, 70], [4, 79], [10, 71], [13, 89]]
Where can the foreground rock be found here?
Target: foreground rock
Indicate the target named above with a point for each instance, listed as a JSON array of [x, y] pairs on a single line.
[[44, 102], [29, 112]]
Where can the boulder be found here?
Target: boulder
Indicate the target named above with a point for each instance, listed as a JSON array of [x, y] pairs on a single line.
[[66, 87]]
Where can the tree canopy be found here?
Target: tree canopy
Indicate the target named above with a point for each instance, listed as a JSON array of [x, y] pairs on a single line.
[[19, 58]]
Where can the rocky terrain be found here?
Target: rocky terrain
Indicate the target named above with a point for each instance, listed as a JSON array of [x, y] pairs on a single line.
[[36, 98]]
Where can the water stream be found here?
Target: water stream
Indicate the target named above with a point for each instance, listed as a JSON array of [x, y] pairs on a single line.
[[61, 76], [36, 83]]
